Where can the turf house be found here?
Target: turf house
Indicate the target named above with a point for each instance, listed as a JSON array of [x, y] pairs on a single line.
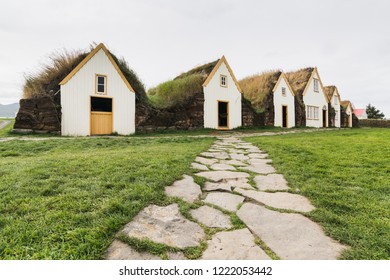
[[311, 108], [271, 95], [334, 106], [81, 93], [209, 94]]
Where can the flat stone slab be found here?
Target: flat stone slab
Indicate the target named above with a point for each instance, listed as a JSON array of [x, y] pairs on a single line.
[[239, 156], [211, 217], [237, 151], [227, 185], [199, 166], [234, 162], [290, 236], [271, 182], [279, 200], [217, 176], [165, 224], [222, 166], [257, 155], [217, 155], [205, 161], [234, 245], [226, 201], [260, 168], [121, 251], [254, 161], [254, 150], [186, 189]]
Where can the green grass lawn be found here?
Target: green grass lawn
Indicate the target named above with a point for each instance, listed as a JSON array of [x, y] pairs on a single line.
[[5, 132], [67, 198], [346, 175]]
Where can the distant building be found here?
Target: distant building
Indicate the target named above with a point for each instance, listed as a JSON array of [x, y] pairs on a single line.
[[360, 114]]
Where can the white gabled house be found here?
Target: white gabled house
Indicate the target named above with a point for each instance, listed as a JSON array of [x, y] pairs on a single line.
[[307, 83], [271, 94], [222, 98], [96, 98], [335, 101], [348, 108], [284, 105]]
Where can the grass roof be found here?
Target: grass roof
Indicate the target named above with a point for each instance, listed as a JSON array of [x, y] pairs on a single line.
[[345, 103], [46, 80], [329, 90], [257, 87], [181, 88], [299, 79]]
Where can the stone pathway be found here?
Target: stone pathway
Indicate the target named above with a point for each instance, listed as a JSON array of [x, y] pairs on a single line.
[[267, 207]]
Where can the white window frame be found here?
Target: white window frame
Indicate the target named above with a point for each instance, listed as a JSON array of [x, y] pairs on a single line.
[[336, 100], [283, 91], [316, 85], [97, 84], [336, 117], [312, 112], [223, 81]]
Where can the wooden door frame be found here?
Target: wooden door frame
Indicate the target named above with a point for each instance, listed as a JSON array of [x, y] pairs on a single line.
[[90, 116], [324, 113], [227, 117], [286, 115]]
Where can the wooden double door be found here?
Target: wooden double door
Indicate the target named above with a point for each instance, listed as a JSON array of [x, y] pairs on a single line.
[[101, 116]]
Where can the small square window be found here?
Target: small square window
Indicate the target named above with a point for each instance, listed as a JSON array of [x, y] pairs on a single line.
[[335, 100], [223, 81], [101, 82], [315, 85], [283, 91]]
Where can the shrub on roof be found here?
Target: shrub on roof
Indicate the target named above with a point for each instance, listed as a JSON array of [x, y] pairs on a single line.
[[47, 79], [177, 91]]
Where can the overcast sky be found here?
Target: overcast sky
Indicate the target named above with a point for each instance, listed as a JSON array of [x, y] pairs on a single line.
[[349, 41]]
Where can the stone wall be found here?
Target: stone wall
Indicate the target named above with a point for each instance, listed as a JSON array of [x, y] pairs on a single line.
[[188, 115], [39, 114], [249, 116]]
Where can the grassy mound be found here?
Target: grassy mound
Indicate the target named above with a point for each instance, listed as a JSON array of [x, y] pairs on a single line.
[[181, 88], [256, 88]]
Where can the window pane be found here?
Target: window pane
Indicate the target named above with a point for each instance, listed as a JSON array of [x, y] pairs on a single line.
[[100, 88], [101, 80]]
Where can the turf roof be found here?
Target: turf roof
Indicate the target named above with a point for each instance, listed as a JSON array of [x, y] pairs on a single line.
[[299, 79], [256, 88], [329, 91], [61, 64], [181, 88]]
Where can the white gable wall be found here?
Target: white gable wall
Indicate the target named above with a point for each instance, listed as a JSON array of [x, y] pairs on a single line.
[[76, 94], [337, 108], [213, 93], [349, 113], [287, 100], [317, 99]]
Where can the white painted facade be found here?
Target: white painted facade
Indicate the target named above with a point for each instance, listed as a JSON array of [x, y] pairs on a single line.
[[315, 99], [281, 100], [335, 103], [76, 96], [349, 112], [214, 92]]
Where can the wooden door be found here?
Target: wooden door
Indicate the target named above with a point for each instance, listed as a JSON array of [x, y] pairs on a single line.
[[101, 115], [101, 123], [284, 116], [223, 115], [323, 118]]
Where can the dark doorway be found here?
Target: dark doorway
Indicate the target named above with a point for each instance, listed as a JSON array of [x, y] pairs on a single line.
[[323, 118], [100, 104], [284, 116], [223, 114]]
